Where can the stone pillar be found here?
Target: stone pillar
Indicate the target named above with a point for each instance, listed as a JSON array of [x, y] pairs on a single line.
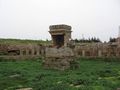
[[67, 38], [38, 51], [21, 52], [83, 53], [33, 51], [117, 52], [52, 40], [27, 52], [42, 52], [65, 42], [100, 53]]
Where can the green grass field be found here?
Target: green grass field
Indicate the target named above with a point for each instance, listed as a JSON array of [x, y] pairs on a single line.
[[23, 41], [92, 75]]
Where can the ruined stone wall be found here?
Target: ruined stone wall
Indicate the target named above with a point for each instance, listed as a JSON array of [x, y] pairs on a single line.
[[97, 50], [3, 49], [79, 50], [22, 51]]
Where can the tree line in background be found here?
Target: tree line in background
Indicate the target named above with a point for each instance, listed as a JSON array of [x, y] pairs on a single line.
[[112, 39], [93, 39], [83, 40], [89, 40]]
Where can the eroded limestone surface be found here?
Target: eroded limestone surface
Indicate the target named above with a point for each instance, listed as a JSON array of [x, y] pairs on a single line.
[[58, 58]]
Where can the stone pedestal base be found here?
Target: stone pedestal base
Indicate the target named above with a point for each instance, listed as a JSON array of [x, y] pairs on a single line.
[[57, 63], [59, 59]]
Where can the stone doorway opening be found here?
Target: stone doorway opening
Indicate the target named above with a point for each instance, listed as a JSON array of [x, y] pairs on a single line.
[[61, 35], [58, 40]]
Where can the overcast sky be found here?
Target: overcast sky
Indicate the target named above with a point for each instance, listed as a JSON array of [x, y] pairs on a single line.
[[30, 19]]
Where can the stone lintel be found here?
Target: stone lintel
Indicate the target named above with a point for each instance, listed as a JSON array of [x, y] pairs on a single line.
[[57, 32], [61, 26]]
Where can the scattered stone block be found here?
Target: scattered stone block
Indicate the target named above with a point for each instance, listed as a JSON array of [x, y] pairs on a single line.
[[25, 89]]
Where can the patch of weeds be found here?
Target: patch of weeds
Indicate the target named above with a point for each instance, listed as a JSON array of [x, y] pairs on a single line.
[[107, 73]]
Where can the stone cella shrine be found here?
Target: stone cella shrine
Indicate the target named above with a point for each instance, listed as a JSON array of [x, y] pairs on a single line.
[[60, 56]]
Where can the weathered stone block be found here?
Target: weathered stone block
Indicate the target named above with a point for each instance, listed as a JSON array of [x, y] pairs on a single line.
[[58, 58]]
